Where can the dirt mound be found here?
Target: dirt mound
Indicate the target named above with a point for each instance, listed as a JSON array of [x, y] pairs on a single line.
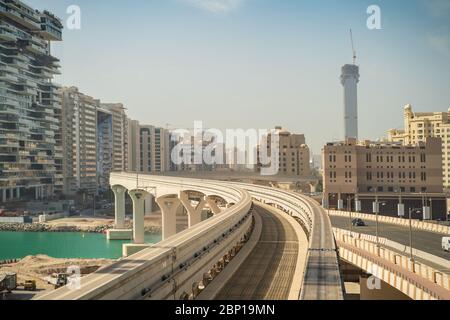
[[41, 266]]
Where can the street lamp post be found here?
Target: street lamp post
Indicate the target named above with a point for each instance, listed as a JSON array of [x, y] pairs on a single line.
[[376, 208], [446, 205], [411, 256], [411, 253], [349, 199], [376, 222]]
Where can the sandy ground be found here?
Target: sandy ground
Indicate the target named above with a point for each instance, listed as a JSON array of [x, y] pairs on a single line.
[[89, 222], [41, 267]]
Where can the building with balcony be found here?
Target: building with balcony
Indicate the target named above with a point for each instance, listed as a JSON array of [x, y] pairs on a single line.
[[418, 126], [94, 136], [293, 154], [133, 146], [105, 148], [30, 110], [154, 149], [80, 139], [120, 135]]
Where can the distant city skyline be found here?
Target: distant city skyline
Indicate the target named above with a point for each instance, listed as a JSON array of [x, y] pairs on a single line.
[[258, 64]]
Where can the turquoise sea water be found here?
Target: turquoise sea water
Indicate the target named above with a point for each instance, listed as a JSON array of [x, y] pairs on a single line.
[[16, 245]]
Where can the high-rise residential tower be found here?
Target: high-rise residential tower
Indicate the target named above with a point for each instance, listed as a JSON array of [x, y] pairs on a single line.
[[119, 130], [154, 149], [30, 109], [350, 79], [94, 141], [133, 159], [79, 123]]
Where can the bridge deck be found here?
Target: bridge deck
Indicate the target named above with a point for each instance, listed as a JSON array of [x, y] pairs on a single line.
[[322, 278], [426, 241], [268, 271]]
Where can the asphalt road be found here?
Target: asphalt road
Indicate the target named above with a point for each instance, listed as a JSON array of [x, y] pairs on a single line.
[[422, 240], [268, 271]]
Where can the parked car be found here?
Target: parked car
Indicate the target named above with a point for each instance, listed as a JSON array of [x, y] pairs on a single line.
[[446, 244], [358, 223]]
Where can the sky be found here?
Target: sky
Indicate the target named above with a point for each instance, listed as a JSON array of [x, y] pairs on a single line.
[[258, 63]]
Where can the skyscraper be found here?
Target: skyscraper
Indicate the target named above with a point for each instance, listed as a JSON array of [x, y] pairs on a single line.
[[154, 149], [79, 124], [94, 141], [350, 79], [30, 109], [119, 126], [133, 159]]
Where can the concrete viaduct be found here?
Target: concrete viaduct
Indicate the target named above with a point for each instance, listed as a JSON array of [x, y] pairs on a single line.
[[209, 258]]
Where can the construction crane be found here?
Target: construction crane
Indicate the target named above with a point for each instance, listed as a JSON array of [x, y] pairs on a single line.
[[353, 47]]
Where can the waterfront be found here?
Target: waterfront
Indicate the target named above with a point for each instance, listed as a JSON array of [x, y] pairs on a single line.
[[16, 245]]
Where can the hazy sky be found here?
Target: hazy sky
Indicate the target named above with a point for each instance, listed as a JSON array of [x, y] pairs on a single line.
[[258, 63]]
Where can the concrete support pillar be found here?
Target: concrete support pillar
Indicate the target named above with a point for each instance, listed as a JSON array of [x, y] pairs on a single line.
[[426, 213], [401, 210], [376, 207], [194, 213], [340, 204], [148, 208], [138, 197], [325, 201], [357, 204], [169, 207], [36, 193], [213, 205], [18, 193], [4, 195], [119, 199]]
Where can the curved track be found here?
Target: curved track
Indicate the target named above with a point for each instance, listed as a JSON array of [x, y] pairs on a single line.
[[267, 273]]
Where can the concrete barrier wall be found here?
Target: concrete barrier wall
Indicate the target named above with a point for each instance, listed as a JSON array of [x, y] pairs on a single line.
[[50, 217], [420, 225], [15, 220], [404, 249], [415, 279]]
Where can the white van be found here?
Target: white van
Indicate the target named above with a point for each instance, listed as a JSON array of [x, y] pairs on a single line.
[[446, 244]]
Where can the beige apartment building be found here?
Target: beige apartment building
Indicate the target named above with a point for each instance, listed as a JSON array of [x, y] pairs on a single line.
[[79, 126], [133, 146], [93, 139], [418, 126], [154, 149], [294, 154], [148, 148], [375, 170]]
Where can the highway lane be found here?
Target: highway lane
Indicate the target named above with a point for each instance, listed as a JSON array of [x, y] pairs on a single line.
[[267, 273], [422, 240]]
